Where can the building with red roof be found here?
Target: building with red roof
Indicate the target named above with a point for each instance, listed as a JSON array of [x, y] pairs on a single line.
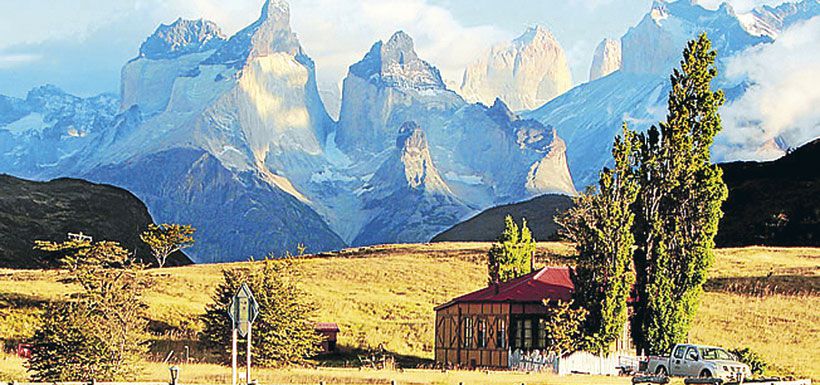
[[491, 327], [328, 331]]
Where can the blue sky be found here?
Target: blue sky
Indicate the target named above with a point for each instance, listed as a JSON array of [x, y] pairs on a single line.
[[81, 45]]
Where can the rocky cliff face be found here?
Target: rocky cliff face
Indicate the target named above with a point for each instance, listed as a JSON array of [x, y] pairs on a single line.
[[389, 86], [406, 199], [172, 51], [606, 59], [526, 72]]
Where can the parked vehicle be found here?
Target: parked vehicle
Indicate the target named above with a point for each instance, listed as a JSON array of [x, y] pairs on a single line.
[[699, 361]]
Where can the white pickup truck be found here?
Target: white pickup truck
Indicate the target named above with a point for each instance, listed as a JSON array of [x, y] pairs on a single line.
[[699, 361]]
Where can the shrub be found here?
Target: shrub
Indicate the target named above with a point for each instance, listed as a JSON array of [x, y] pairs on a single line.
[[283, 332], [756, 363]]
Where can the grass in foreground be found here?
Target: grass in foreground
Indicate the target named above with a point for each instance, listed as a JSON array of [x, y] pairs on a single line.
[[12, 367], [386, 294]]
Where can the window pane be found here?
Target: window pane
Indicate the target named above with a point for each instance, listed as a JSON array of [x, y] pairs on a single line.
[[519, 330], [501, 334], [528, 334], [542, 334], [468, 332], [482, 333]]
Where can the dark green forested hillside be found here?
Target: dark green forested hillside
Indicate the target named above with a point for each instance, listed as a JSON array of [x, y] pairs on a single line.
[[32, 211]]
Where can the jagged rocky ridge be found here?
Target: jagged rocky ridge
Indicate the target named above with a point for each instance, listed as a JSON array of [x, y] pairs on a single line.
[[407, 200], [231, 136], [526, 72]]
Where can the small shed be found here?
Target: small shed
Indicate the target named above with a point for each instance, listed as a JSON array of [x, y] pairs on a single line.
[[328, 330]]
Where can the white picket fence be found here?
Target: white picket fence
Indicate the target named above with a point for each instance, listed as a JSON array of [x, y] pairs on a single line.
[[578, 362]]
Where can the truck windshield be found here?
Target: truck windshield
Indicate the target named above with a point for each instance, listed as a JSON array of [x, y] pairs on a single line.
[[715, 354]]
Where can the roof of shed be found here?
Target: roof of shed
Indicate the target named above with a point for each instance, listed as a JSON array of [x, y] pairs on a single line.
[[552, 283], [326, 327]]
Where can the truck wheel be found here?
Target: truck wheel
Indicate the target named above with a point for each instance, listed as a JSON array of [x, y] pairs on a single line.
[[706, 374], [661, 371]]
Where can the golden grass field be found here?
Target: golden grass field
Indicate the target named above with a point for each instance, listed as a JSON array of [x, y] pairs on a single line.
[[765, 298]]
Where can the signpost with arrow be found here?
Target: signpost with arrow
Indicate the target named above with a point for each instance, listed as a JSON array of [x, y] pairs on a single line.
[[243, 312]]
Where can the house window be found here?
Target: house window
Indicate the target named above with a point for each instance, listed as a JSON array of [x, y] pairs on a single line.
[[541, 343], [518, 332], [482, 333], [501, 334], [527, 334], [468, 332]]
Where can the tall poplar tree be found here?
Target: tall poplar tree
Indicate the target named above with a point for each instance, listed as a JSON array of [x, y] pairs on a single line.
[[679, 203], [511, 256], [600, 226]]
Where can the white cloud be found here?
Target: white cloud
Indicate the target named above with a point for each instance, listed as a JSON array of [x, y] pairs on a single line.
[[13, 60], [783, 99]]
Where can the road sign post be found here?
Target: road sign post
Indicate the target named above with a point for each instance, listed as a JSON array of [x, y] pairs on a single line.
[[243, 312], [233, 356]]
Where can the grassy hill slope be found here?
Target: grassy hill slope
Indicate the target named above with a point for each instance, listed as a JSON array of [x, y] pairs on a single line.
[[764, 298]]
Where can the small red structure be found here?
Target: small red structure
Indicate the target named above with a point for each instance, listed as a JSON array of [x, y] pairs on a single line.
[[328, 330], [24, 350]]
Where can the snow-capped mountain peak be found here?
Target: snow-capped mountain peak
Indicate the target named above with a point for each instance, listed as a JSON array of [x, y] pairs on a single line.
[[653, 46], [396, 63], [182, 37], [770, 21]]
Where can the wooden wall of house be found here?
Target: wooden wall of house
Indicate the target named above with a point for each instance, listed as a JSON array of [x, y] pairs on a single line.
[[451, 348]]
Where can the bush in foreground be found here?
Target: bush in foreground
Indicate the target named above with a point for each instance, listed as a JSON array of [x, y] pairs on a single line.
[[283, 333]]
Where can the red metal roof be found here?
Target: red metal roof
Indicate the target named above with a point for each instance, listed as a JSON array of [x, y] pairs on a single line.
[[326, 327], [546, 283]]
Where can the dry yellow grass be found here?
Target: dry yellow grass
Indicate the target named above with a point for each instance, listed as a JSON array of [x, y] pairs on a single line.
[[386, 294]]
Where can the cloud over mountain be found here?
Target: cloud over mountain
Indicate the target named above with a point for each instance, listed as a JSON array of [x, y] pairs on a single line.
[[782, 96]]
